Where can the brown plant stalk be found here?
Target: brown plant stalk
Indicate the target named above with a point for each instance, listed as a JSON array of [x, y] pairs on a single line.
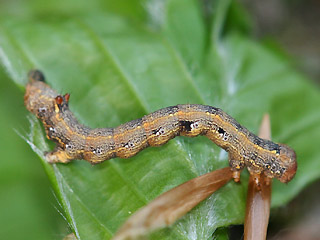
[[258, 198]]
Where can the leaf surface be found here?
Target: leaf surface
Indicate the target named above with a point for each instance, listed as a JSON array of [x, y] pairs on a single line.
[[120, 65]]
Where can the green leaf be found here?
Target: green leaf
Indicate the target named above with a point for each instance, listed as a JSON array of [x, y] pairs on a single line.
[[119, 65], [24, 187]]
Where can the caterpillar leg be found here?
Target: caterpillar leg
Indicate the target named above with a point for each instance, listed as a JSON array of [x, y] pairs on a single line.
[[236, 167], [261, 180], [236, 175], [57, 156]]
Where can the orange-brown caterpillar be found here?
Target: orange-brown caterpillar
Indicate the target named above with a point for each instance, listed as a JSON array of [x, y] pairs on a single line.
[[75, 141]]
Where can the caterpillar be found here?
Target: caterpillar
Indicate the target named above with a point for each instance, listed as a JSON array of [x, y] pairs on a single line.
[[76, 141]]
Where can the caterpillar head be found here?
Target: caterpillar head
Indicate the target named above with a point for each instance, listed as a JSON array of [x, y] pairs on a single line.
[[289, 163]]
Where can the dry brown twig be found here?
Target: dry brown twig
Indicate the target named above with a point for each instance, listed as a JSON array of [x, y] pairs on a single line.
[[171, 205]]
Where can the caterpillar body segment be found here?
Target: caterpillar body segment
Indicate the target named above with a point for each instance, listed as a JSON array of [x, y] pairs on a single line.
[[76, 141]]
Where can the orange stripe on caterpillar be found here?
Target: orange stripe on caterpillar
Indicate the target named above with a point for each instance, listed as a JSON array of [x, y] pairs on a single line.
[[75, 141]]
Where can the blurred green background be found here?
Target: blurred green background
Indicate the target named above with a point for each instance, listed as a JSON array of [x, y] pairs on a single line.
[[28, 208]]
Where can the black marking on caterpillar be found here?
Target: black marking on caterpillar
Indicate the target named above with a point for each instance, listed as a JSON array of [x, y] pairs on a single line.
[[75, 141]]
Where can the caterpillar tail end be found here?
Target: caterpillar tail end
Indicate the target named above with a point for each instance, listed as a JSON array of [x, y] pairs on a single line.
[[57, 156], [36, 75]]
